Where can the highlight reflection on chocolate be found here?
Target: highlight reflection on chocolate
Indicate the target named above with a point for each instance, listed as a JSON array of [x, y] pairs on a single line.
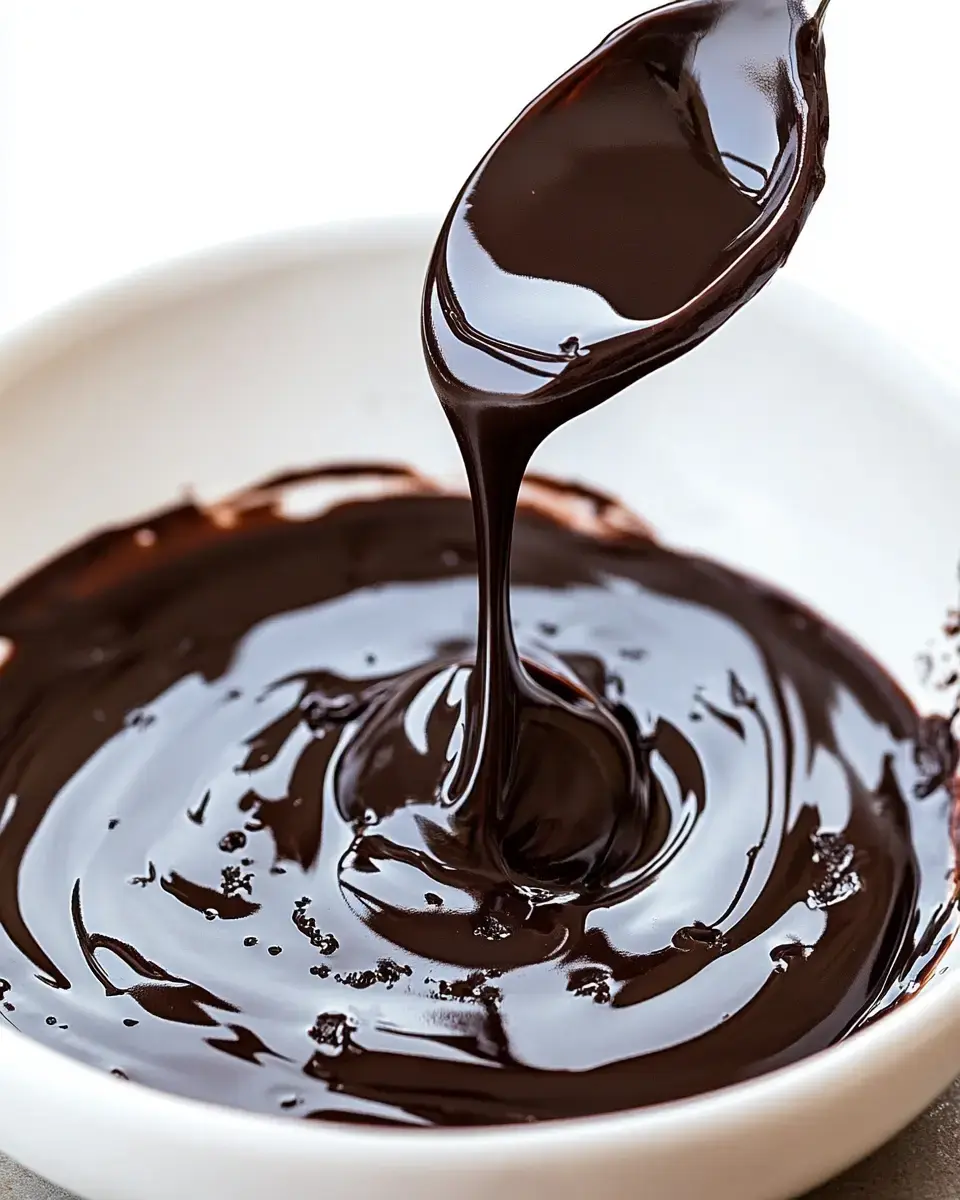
[[227, 870]]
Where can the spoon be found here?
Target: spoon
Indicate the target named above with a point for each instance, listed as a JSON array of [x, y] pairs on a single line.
[[623, 217]]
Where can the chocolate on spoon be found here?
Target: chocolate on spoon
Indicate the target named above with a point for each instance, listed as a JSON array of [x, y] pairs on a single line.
[[625, 215]]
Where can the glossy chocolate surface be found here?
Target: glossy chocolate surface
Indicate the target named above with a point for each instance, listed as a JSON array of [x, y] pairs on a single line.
[[227, 868]]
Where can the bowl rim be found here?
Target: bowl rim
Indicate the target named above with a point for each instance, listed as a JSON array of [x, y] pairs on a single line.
[[922, 1020]]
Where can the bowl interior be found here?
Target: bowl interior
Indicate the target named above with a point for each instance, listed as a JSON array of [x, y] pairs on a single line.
[[793, 444]]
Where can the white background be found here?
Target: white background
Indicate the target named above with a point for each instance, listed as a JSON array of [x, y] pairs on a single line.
[[131, 130]]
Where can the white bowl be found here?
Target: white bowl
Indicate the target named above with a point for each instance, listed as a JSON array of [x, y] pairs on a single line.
[[831, 471]]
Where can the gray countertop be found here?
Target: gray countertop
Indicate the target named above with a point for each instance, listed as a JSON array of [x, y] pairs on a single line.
[[921, 1164]]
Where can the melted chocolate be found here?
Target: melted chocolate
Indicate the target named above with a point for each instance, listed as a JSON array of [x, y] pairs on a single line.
[[225, 869], [625, 215], [289, 823]]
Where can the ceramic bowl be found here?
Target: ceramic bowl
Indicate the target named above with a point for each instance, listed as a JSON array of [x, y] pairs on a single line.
[[828, 466]]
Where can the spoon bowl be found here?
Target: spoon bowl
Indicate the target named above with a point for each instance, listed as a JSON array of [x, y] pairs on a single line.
[[630, 210]]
